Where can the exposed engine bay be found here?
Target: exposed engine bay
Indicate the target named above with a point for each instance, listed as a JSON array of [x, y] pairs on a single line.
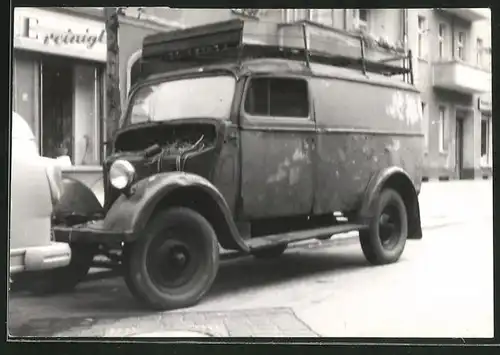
[[160, 141]]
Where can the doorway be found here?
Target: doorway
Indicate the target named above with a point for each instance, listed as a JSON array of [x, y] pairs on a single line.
[[57, 107], [459, 149]]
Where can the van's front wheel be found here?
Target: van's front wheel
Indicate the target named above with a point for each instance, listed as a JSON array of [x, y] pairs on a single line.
[[385, 239], [174, 263]]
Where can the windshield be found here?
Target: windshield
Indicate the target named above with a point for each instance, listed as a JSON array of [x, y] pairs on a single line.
[[194, 97]]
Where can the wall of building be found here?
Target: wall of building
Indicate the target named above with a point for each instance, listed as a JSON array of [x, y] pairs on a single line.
[[140, 22], [44, 39], [130, 37], [388, 23], [443, 164]]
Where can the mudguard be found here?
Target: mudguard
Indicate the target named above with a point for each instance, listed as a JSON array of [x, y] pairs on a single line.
[[130, 212], [405, 187], [77, 204]]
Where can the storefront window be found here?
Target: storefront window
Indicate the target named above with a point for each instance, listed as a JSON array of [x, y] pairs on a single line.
[[57, 107], [485, 141], [70, 110], [86, 115]]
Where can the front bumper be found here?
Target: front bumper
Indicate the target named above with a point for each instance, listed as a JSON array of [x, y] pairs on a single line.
[[90, 232], [40, 258]]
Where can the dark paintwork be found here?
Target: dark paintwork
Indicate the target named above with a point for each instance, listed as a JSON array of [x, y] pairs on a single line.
[[256, 175], [276, 168], [130, 214], [347, 162], [226, 175], [259, 243], [91, 232], [77, 202], [133, 140], [381, 179]]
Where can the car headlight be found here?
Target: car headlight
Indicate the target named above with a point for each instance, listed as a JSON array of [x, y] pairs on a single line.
[[121, 174]]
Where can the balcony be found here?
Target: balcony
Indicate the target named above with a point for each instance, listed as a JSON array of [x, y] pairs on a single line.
[[470, 14], [461, 77]]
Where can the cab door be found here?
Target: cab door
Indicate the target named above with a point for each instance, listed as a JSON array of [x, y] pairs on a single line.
[[277, 147]]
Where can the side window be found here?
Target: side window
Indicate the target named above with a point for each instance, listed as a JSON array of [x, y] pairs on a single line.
[[277, 97]]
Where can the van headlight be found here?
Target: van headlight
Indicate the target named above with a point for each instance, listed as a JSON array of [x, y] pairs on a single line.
[[121, 174]]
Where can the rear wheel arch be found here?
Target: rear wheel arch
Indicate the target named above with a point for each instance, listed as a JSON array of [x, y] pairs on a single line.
[[398, 180]]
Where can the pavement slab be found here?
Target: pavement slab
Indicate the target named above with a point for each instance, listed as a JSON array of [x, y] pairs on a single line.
[[266, 322]]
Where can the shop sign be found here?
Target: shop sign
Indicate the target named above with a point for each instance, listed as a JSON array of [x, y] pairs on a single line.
[[59, 33], [484, 104]]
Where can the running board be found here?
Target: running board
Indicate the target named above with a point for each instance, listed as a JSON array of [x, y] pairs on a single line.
[[275, 239]]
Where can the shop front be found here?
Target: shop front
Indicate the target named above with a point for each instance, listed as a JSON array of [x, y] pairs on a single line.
[[486, 160], [58, 73]]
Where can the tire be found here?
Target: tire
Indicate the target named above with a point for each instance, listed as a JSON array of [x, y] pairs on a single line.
[[186, 241], [128, 276], [62, 279], [385, 239], [270, 252]]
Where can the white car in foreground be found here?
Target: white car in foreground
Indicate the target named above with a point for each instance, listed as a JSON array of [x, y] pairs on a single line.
[[36, 186]]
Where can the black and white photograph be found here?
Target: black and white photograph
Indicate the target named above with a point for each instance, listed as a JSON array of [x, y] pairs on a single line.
[[152, 195]]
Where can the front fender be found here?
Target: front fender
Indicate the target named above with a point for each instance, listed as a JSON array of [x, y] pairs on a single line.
[[77, 203], [129, 214], [398, 179]]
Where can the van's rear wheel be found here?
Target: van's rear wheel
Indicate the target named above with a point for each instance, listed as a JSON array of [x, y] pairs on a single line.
[[385, 239], [175, 262], [270, 252]]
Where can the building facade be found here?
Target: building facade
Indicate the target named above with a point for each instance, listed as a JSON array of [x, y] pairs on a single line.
[[452, 50], [58, 85], [58, 70], [452, 66], [59, 65], [60, 55]]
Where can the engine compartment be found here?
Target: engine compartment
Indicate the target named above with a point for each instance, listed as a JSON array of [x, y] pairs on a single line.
[[168, 146], [171, 139]]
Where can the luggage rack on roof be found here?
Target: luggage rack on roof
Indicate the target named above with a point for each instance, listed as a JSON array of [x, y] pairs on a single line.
[[224, 42]]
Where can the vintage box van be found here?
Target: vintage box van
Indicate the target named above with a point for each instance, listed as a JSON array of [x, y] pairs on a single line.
[[252, 148]]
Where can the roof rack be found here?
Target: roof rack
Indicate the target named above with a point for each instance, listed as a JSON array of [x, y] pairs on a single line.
[[224, 42]]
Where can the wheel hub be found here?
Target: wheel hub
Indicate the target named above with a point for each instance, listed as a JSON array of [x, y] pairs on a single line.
[[178, 258], [389, 227], [171, 261]]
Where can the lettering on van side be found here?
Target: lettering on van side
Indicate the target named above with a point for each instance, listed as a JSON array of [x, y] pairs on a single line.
[[405, 108]]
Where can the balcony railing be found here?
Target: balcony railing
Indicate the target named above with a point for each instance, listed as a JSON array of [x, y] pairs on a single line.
[[461, 77], [470, 14]]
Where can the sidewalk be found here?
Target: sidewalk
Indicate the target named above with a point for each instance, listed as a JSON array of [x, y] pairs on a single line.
[[452, 202], [267, 322]]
